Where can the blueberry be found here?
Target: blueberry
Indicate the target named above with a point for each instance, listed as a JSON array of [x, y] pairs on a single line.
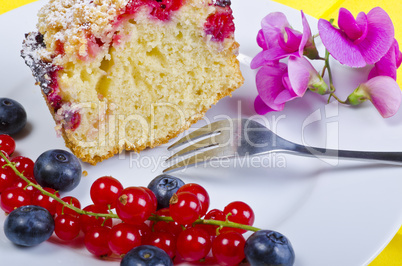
[[12, 116], [58, 169], [164, 186], [29, 225], [146, 255], [271, 248]]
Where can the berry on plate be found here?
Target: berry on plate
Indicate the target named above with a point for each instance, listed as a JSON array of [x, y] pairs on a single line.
[[29, 225], [58, 169]]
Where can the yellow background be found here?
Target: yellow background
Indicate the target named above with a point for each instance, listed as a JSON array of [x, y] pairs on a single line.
[[392, 254]]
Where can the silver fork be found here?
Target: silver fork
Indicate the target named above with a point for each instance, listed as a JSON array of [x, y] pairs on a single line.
[[243, 137]]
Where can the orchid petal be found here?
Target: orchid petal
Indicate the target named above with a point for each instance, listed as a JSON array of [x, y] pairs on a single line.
[[258, 60], [261, 40], [384, 93], [387, 64], [269, 84], [300, 71], [348, 24], [292, 42], [339, 45], [380, 36], [275, 53], [260, 107], [361, 20], [285, 96], [273, 25], [306, 37], [398, 54]]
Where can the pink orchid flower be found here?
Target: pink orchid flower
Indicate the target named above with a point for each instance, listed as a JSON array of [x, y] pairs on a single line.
[[278, 40], [280, 83], [382, 91], [361, 41], [389, 63]]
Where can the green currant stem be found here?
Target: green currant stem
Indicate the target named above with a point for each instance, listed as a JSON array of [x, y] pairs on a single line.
[[112, 215], [44, 192]]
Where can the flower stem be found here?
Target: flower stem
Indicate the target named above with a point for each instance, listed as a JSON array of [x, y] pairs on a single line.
[[112, 215]]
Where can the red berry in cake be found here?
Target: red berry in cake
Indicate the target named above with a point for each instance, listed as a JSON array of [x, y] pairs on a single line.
[[89, 221], [220, 24], [7, 144], [13, 198], [163, 240], [240, 213], [105, 191], [123, 238], [67, 227], [193, 244], [228, 248], [185, 208], [45, 201], [201, 194], [162, 9], [96, 241], [134, 205]]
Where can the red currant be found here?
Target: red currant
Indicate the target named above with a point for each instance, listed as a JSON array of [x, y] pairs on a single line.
[[228, 248], [240, 213], [134, 205], [143, 230], [88, 221], [152, 195], [213, 214], [7, 178], [96, 241], [193, 244], [185, 208], [14, 197], [169, 227], [44, 201], [2, 161], [123, 238], [25, 166], [162, 240], [105, 190], [67, 227], [61, 209], [201, 194], [29, 189], [7, 144]]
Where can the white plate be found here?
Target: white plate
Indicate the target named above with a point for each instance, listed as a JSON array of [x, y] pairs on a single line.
[[342, 214]]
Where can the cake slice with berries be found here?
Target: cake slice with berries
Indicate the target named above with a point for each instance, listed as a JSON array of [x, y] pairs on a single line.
[[130, 74]]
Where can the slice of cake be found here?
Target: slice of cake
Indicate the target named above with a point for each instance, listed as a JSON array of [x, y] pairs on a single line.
[[125, 75]]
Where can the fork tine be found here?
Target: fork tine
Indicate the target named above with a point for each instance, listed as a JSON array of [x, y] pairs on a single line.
[[205, 143], [204, 131], [198, 158]]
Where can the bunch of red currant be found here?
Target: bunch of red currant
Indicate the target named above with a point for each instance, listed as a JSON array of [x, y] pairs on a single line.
[[168, 214]]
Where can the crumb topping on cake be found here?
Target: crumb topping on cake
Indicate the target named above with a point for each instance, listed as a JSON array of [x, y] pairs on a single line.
[[73, 22]]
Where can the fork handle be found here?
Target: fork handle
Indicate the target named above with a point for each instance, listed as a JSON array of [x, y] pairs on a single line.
[[381, 157]]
